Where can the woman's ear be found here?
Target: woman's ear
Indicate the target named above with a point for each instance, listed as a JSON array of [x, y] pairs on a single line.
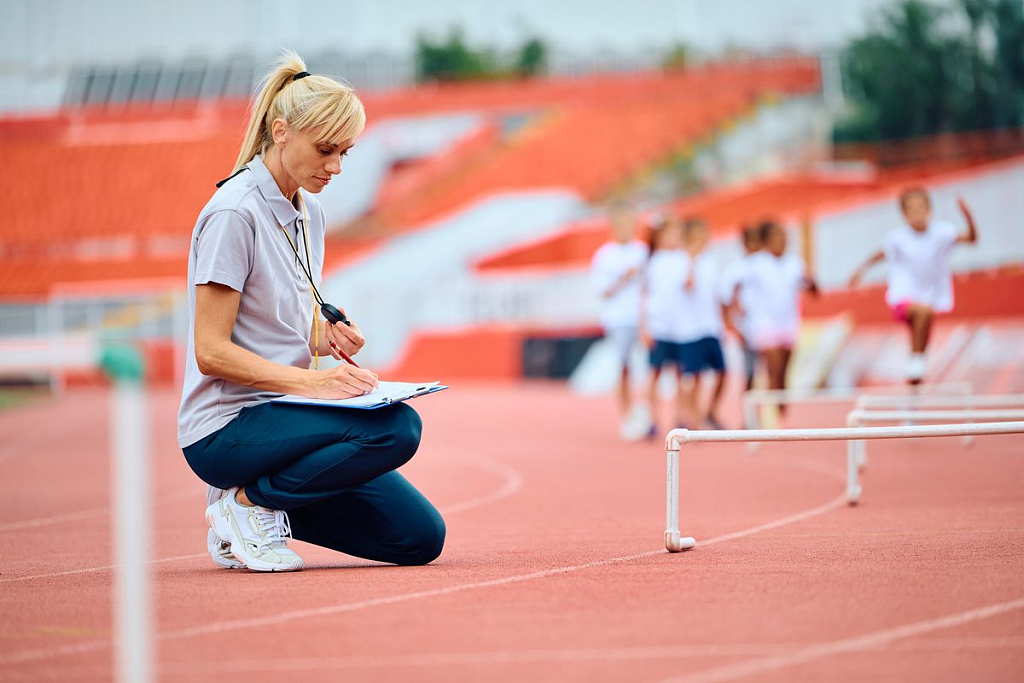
[[279, 131]]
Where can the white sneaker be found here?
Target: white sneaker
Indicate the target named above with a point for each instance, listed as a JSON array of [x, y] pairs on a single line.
[[637, 424], [220, 551], [256, 534], [916, 367]]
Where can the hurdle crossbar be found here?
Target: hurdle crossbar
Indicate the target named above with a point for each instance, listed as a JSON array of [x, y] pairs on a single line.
[[969, 401], [675, 439], [755, 398], [860, 417]]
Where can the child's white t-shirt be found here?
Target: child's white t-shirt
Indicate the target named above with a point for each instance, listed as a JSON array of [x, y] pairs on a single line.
[[919, 266], [734, 276], [668, 309], [706, 302], [771, 287], [610, 262]]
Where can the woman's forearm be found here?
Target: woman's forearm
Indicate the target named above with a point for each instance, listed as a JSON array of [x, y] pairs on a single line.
[[227, 360]]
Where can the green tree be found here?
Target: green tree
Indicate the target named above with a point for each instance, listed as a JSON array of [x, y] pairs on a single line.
[[923, 69], [533, 58], [451, 60]]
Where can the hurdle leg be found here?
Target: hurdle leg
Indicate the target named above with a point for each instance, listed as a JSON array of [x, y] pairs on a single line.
[[852, 467], [968, 440], [673, 541], [750, 419], [855, 448]]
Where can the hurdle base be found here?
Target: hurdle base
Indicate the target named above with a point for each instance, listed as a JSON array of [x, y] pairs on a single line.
[[675, 543], [853, 495]]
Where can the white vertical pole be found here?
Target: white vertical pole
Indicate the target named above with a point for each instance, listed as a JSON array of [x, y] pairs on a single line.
[[852, 465], [130, 498], [673, 541], [672, 501]]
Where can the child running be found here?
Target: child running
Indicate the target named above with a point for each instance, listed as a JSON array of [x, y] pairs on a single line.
[[772, 286], [920, 283], [702, 347], [616, 274]]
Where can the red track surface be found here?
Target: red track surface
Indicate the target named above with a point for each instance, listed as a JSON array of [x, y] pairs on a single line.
[[554, 569]]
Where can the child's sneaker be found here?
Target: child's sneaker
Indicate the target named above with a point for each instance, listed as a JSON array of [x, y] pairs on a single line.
[[916, 367], [636, 424], [256, 534]]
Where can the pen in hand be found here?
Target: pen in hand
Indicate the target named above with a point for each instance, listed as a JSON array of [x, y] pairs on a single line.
[[345, 356]]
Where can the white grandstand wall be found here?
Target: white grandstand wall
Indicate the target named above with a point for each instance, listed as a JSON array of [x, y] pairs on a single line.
[[424, 279], [776, 137], [385, 143]]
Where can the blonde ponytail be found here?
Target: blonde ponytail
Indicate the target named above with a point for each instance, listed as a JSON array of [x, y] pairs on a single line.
[[311, 102]]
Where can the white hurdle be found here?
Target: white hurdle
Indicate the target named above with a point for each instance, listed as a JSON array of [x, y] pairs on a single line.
[[755, 398], [675, 439], [967, 401], [859, 417]]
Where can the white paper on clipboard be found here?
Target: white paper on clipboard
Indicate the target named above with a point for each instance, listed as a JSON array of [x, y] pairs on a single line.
[[386, 393]]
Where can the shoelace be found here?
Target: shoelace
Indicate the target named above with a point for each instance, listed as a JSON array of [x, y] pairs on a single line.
[[275, 525]]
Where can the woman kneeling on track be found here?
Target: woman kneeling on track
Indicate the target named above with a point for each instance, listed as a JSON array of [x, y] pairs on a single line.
[[276, 470]]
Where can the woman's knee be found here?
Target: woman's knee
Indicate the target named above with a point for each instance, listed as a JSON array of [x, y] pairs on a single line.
[[425, 542], [405, 429]]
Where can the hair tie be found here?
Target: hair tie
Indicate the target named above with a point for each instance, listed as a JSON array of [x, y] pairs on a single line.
[[301, 74]]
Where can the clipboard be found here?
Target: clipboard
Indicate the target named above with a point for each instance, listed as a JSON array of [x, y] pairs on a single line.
[[386, 394]]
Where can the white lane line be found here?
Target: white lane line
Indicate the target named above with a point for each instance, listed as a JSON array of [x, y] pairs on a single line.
[[282, 617], [94, 512], [104, 568], [866, 641], [499, 657], [639, 653], [513, 482]]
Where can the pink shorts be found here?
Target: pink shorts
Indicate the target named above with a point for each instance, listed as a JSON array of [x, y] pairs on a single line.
[[901, 311], [774, 338]]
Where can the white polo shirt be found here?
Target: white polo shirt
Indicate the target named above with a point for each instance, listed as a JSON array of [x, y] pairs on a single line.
[[919, 266], [611, 261], [238, 242]]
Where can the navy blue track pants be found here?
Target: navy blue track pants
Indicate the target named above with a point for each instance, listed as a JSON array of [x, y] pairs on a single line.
[[333, 471]]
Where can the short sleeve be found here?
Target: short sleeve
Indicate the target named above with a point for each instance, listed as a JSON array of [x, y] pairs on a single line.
[[889, 246], [731, 277], [947, 234], [600, 277], [225, 248], [799, 268]]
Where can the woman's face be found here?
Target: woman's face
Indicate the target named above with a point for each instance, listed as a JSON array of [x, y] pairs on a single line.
[[310, 161]]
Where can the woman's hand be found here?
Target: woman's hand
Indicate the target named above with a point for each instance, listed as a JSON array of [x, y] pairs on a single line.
[[344, 381], [348, 338]]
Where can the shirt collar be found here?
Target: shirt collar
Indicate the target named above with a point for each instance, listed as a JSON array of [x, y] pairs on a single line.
[[284, 211]]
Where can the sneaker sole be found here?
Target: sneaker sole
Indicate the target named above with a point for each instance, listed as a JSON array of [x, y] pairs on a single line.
[[218, 559], [238, 549]]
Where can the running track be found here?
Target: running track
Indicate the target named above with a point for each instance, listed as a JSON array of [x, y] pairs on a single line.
[[554, 569]]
